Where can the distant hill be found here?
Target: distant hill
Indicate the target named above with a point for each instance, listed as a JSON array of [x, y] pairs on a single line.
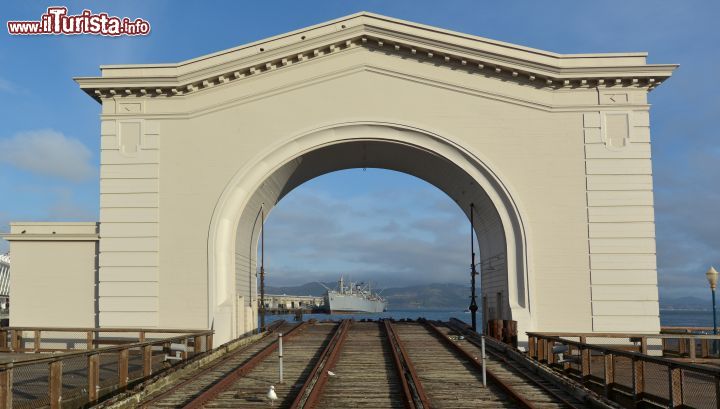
[[685, 303], [456, 297], [306, 289], [427, 296]]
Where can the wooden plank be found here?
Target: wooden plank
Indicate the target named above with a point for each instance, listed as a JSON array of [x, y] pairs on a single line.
[[197, 345], [618, 245], [36, 344], [609, 374], [624, 230], [55, 390], [675, 387], [643, 345], [6, 384], [638, 374], [617, 167], [123, 368], [15, 340], [532, 347], [623, 261], [620, 198], [93, 377], [147, 360]]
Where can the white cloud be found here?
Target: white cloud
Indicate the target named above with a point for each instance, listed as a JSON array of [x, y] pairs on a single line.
[[48, 152], [6, 86]]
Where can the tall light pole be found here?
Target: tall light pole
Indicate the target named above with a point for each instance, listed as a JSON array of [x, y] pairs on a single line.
[[473, 272], [712, 276]]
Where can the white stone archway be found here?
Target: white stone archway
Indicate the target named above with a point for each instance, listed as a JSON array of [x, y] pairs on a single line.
[[464, 175], [554, 148]]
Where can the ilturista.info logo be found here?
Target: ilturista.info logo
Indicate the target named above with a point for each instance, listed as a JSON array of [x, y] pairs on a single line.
[[56, 21]]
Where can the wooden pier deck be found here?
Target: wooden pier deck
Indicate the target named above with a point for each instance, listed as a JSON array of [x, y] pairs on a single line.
[[360, 365]]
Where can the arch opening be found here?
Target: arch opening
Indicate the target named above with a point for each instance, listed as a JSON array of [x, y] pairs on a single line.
[[505, 289]]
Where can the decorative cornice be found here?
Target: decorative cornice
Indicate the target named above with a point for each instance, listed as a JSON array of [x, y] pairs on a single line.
[[537, 73]]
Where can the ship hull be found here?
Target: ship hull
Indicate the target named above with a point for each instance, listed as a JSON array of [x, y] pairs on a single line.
[[350, 304]]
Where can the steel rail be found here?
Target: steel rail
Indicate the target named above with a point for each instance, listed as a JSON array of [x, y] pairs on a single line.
[[310, 393], [463, 328], [413, 391], [153, 399], [509, 390], [227, 381]]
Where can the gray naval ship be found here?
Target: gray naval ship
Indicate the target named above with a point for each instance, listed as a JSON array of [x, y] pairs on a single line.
[[353, 298]]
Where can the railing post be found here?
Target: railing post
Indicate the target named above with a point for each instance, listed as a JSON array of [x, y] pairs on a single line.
[[691, 343], [208, 342], [541, 349], [675, 387], [123, 368], [532, 349], [638, 373], [682, 348], [90, 340], [197, 345], [664, 346], [17, 341], [36, 345], [147, 360], [141, 336], [609, 373], [704, 348], [55, 384], [184, 353], [643, 345], [4, 339], [93, 376], [6, 384], [566, 363], [585, 364], [549, 354]]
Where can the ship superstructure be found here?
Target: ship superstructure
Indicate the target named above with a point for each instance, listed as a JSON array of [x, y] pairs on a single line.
[[354, 297]]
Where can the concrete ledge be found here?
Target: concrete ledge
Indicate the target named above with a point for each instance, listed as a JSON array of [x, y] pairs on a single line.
[[52, 231]]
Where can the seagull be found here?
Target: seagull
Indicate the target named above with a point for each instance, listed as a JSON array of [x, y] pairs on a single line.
[[331, 373], [271, 395]]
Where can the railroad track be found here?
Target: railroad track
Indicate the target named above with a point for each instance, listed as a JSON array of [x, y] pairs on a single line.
[[243, 380], [185, 388], [450, 379], [368, 371], [539, 391], [364, 365]]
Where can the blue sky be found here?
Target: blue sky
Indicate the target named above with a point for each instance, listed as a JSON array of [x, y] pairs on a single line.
[[49, 134]]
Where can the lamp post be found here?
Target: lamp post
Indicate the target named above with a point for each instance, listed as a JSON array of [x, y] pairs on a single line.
[[712, 276]]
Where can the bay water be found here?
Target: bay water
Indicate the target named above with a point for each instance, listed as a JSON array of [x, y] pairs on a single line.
[[674, 318]]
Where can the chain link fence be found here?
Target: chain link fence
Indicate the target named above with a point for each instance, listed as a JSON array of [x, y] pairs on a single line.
[[636, 370]]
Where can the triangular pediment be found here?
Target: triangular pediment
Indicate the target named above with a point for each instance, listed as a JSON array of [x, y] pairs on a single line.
[[415, 41]]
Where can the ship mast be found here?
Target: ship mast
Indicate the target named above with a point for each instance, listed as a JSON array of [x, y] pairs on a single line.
[[473, 272]]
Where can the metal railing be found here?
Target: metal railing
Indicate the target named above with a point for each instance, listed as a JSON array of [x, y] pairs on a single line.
[[625, 373], [74, 367]]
